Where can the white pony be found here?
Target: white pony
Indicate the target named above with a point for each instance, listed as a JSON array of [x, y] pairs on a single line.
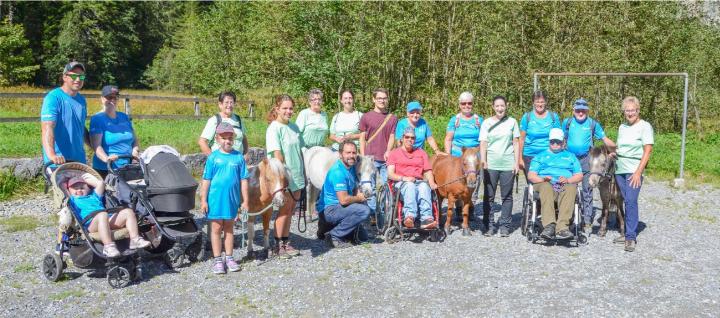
[[319, 160]]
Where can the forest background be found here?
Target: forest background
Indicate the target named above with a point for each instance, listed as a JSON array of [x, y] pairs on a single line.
[[429, 51]]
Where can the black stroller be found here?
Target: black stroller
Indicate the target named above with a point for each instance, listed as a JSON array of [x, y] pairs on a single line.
[[162, 192]]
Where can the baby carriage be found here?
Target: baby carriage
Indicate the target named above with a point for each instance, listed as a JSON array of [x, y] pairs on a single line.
[[161, 190], [84, 248]]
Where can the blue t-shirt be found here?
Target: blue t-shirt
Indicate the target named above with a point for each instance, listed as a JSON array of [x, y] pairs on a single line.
[[467, 133], [84, 205], [555, 165], [579, 139], [68, 113], [537, 132], [117, 137], [224, 170], [339, 178], [422, 131]]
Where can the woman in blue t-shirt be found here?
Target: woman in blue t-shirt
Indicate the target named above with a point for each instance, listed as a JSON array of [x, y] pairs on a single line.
[[463, 129], [111, 133], [535, 128]]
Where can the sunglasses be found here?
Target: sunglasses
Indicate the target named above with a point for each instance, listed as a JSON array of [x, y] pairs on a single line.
[[556, 142], [75, 77], [409, 137], [111, 97]]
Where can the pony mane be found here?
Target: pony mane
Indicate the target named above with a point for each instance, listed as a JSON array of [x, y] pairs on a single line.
[[277, 167]]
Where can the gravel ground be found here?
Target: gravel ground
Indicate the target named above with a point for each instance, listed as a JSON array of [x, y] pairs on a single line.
[[674, 272]]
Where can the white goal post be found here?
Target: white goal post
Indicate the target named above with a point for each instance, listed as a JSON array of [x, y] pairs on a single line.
[[678, 182]]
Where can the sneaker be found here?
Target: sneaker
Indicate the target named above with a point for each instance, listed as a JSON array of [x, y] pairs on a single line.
[[281, 252], [218, 267], [630, 246], [335, 243], [138, 242], [489, 230], [428, 224], [564, 235], [504, 232], [409, 222], [291, 251], [232, 265], [549, 232], [588, 228], [329, 241], [619, 240], [361, 234], [111, 251]]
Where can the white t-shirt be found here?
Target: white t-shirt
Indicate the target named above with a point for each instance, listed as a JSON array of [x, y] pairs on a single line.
[[630, 143], [209, 132], [345, 123], [500, 150]]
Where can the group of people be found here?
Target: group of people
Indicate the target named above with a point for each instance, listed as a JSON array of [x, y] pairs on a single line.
[[552, 153]]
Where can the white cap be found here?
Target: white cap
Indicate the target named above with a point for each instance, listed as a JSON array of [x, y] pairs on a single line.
[[556, 134]]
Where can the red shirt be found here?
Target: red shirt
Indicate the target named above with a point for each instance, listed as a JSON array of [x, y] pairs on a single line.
[[369, 123], [411, 164]]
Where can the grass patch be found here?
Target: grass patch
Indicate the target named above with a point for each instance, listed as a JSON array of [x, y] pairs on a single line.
[[702, 218], [24, 268], [19, 223], [12, 187], [66, 294]]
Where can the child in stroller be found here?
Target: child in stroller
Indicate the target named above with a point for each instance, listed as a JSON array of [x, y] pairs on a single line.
[[96, 218]]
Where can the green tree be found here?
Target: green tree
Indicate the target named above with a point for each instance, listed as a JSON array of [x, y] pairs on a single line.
[[16, 62]]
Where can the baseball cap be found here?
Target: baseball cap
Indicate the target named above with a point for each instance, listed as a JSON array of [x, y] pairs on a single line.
[[556, 134], [109, 90], [414, 105], [224, 128], [72, 65], [75, 180], [581, 103]]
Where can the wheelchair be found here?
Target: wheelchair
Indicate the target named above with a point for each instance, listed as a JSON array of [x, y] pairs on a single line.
[[393, 229], [531, 225]]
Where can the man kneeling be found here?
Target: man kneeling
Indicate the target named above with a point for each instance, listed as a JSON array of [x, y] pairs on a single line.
[[555, 174], [341, 210]]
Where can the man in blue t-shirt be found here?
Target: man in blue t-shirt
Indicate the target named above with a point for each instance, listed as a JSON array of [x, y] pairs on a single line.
[[63, 118], [580, 131], [341, 205], [555, 174]]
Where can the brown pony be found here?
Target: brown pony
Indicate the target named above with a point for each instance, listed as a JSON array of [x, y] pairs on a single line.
[[267, 189], [602, 176], [457, 178]]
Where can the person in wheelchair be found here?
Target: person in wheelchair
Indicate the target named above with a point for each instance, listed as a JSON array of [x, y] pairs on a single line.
[[555, 174], [340, 205], [408, 165]]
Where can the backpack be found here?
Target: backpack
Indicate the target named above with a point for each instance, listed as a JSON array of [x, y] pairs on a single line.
[[566, 129], [234, 116], [475, 116]]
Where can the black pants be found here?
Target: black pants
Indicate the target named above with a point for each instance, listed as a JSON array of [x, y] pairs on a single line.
[[505, 179]]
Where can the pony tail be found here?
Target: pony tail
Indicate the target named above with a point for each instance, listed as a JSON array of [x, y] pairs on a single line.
[[272, 115]]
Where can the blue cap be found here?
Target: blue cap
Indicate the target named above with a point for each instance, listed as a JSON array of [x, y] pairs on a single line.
[[581, 103], [414, 105]]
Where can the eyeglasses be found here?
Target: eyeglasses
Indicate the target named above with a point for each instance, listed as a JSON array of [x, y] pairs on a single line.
[[556, 142], [75, 77], [630, 111], [381, 98], [466, 103], [409, 137], [580, 110], [315, 99], [111, 97]]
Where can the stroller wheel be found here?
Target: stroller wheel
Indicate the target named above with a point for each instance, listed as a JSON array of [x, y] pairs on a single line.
[[52, 267], [174, 258], [197, 251], [118, 277]]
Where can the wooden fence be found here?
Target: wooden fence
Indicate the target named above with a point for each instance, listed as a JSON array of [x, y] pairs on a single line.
[[127, 108]]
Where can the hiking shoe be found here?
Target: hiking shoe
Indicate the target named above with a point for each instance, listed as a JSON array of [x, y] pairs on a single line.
[[231, 264], [564, 235], [281, 252], [428, 224], [548, 232], [630, 245], [138, 242], [291, 251], [361, 235], [341, 243], [329, 241], [409, 222], [218, 267], [619, 240], [489, 230], [588, 228], [504, 232], [110, 251]]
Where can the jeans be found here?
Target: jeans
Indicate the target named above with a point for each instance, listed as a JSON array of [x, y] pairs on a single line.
[[492, 178], [382, 173], [345, 219], [586, 205], [417, 197], [630, 195]]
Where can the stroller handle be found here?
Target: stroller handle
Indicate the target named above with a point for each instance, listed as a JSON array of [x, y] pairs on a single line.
[[110, 162]]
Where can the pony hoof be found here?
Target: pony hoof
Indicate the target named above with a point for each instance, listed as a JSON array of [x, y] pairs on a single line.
[[466, 232]]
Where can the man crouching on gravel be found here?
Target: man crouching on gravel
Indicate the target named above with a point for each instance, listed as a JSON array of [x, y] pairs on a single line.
[[555, 174], [340, 210]]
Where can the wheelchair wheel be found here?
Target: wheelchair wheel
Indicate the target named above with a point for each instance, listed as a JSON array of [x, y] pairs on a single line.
[[392, 235], [526, 213]]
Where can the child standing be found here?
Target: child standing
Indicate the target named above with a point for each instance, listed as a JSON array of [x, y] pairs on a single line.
[[95, 218], [224, 179]]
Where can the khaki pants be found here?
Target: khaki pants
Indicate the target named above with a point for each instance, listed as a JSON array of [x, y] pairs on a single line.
[[565, 200]]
